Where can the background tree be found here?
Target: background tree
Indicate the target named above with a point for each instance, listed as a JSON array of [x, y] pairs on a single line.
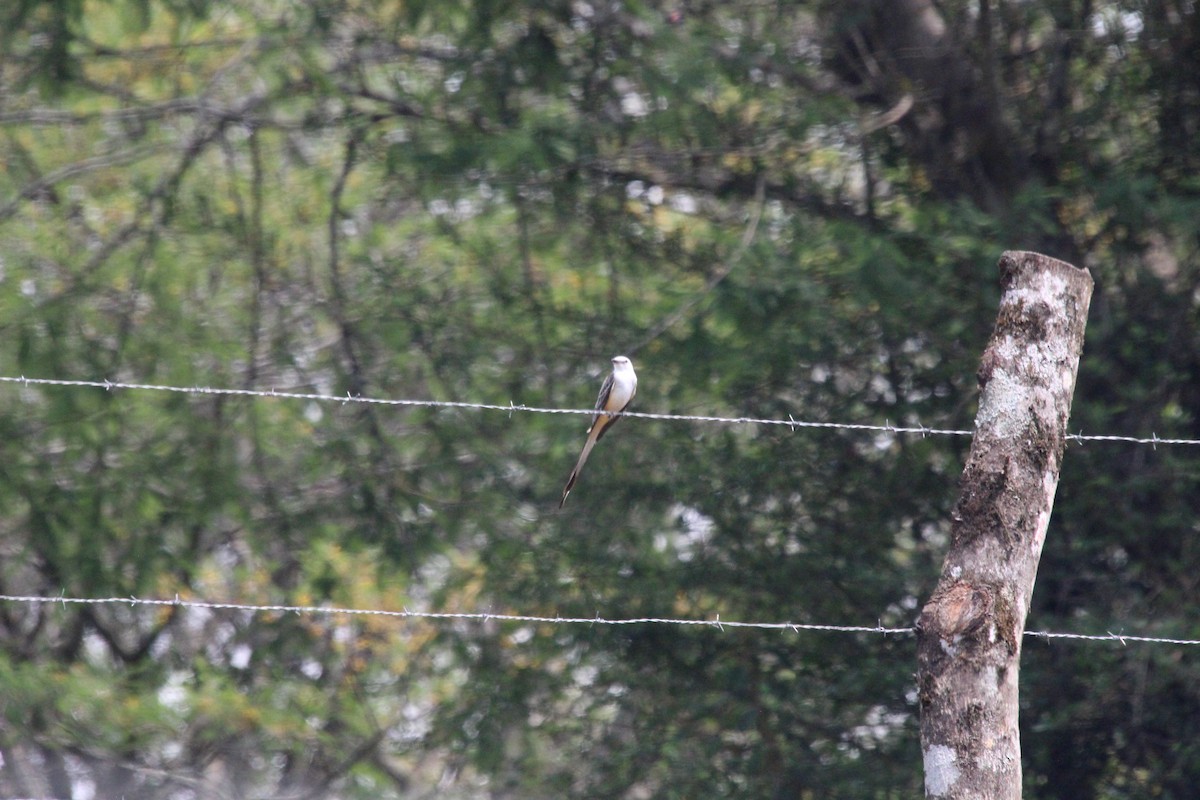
[[773, 208]]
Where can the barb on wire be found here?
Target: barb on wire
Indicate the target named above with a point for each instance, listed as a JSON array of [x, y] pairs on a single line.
[[488, 616], [510, 408]]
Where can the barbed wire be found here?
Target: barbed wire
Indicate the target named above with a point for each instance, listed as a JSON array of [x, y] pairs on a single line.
[[790, 422], [480, 616], [1111, 637], [487, 616]]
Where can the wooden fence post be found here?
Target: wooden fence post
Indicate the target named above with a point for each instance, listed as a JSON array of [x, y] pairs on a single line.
[[969, 633]]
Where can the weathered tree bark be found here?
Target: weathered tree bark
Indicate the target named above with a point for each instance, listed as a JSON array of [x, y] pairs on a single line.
[[969, 634]]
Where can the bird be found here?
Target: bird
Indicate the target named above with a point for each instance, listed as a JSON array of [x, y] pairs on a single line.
[[615, 396]]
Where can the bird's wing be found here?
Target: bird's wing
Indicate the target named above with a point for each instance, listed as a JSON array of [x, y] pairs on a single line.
[[602, 402]]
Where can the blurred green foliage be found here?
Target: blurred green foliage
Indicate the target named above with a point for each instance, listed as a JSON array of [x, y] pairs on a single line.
[[485, 201]]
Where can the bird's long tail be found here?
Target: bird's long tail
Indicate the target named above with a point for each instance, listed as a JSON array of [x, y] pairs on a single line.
[[583, 457]]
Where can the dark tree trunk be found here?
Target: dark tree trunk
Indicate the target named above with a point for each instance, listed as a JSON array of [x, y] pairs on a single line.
[[905, 54]]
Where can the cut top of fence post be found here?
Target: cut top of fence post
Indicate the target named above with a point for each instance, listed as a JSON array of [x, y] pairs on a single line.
[[1036, 341]]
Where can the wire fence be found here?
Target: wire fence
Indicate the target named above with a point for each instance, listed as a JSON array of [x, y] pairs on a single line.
[[511, 408], [486, 616], [718, 623]]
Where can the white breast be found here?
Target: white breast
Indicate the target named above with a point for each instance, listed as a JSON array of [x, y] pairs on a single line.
[[624, 387]]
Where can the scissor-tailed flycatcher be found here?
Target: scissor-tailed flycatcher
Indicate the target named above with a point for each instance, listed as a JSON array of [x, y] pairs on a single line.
[[615, 395]]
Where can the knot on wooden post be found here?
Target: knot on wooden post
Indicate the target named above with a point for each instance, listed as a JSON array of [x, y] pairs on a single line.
[[956, 612]]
